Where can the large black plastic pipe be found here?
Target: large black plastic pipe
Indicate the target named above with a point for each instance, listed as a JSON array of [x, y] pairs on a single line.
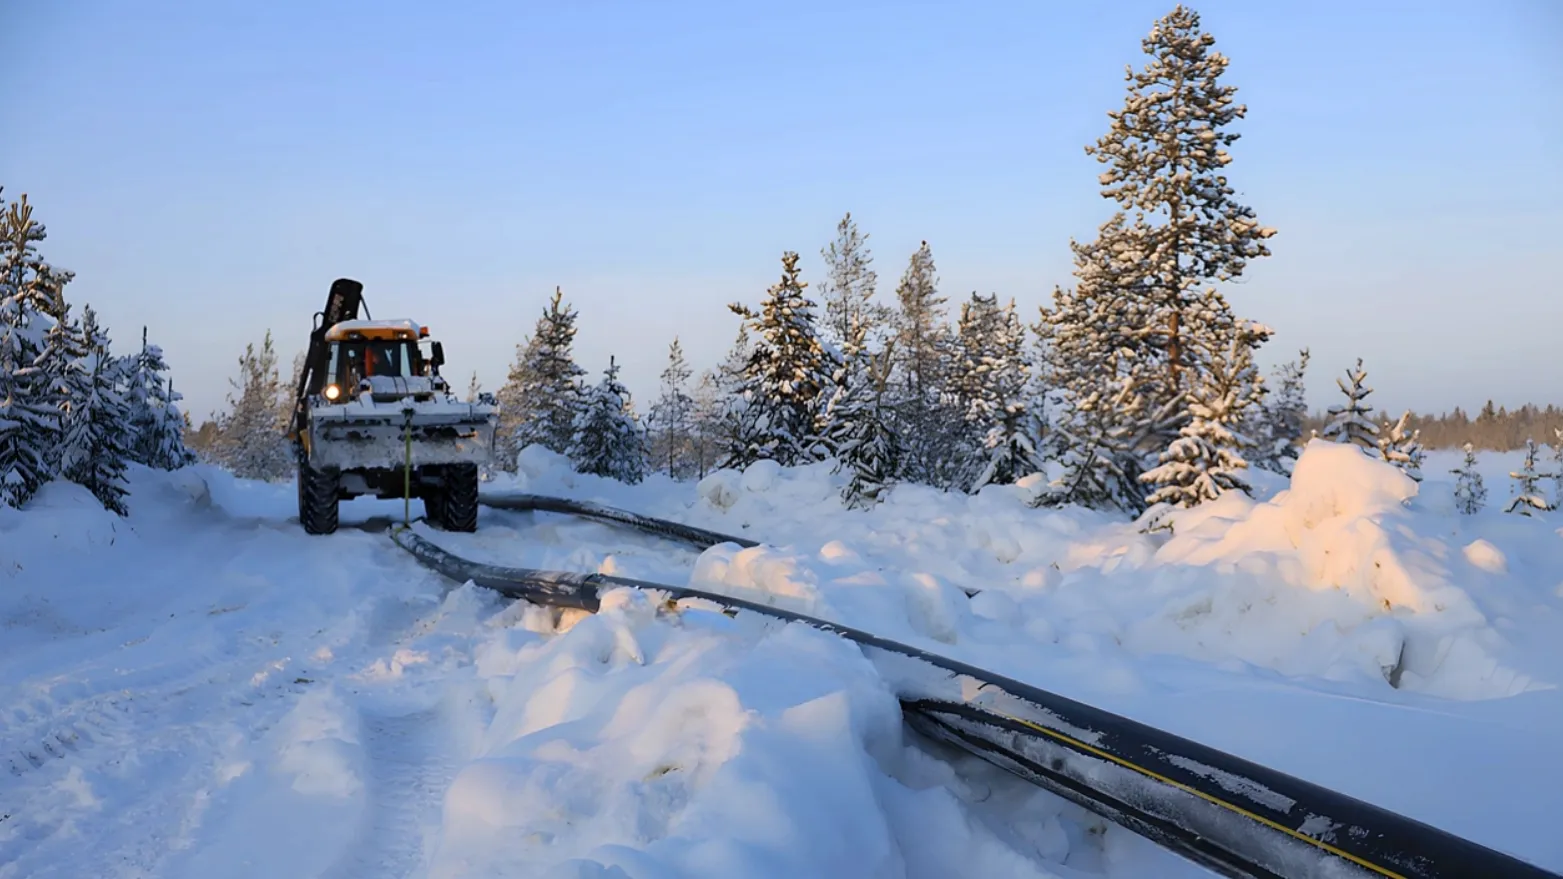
[[696, 537], [1228, 814]]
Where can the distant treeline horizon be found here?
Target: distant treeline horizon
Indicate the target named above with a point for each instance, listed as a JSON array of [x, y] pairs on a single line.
[[1494, 428]]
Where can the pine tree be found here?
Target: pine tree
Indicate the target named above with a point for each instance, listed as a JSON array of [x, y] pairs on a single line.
[[98, 431], [156, 422], [1125, 345], [251, 442], [1115, 405], [708, 403], [1399, 445], [607, 439], [474, 388], [848, 288], [920, 334], [1000, 410], [671, 416], [168, 448], [1527, 493], [31, 292], [58, 369], [728, 418], [1166, 159], [1469, 493], [1206, 459], [787, 372], [1351, 422], [932, 432], [542, 393], [969, 388], [858, 427], [1281, 423]]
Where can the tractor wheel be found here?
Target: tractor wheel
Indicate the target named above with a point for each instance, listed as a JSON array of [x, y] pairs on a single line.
[[434, 506], [317, 498], [460, 502]]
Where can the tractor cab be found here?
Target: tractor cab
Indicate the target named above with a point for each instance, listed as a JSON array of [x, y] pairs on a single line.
[[359, 351]]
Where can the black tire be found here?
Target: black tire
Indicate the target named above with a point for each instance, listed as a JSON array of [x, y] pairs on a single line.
[[317, 499], [434, 507], [460, 501]]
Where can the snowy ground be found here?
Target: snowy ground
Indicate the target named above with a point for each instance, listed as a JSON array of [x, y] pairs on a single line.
[[203, 690]]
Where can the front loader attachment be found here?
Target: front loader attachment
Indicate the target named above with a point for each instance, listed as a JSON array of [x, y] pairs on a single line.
[[364, 434]]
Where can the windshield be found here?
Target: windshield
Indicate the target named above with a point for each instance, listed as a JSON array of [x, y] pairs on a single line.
[[354, 361]]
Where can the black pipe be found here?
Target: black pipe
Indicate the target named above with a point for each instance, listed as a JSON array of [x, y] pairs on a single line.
[[696, 537]]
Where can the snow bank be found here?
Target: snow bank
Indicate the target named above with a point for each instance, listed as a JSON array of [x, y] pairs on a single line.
[[1342, 574], [627, 747]]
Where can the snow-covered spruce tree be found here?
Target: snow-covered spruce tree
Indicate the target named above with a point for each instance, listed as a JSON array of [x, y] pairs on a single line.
[[969, 388], [1166, 160], [1281, 424], [1400, 445], [99, 434], [474, 387], [251, 442], [787, 372], [1469, 493], [1108, 374], [1352, 422], [513, 399], [858, 427], [30, 291], [671, 417], [59, 385], [608, 440], [848, 288], [1010, 429], [543, 392], [1126, 342], [707, 405], [931, 431], [727, 420], [1528, 498], [1206, 460], [156, 421]]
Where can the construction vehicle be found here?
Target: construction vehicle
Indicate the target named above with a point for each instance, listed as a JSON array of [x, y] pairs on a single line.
[[373, 416]]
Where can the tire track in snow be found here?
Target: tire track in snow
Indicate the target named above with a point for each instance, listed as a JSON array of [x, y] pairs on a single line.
[[412, 760], [126, 767]]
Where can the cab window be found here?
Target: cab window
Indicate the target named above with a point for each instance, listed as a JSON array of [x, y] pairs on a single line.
[[354, 361]]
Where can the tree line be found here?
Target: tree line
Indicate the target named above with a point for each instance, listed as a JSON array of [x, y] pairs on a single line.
[[69, 408], [1495, 428]]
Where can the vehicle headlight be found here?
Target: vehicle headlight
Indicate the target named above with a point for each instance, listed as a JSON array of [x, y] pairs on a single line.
[[332, 392]]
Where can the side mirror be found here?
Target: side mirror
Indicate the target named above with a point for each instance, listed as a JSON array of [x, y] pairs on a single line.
[[436, 355]]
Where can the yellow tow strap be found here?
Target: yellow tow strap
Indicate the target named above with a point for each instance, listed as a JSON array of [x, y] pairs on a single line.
[[407, 477]]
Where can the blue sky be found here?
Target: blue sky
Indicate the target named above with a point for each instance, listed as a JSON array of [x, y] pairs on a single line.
[[207, 169]]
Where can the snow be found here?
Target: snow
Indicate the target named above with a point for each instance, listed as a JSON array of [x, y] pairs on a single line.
[[201, 689], [340, 329]]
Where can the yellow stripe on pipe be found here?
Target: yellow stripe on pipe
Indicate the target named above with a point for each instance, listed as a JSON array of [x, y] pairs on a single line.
[[1113, 758]]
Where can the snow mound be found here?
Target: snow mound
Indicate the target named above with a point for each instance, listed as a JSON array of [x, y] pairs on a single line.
[[67, 518], [624, 747], [1332, 575]]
